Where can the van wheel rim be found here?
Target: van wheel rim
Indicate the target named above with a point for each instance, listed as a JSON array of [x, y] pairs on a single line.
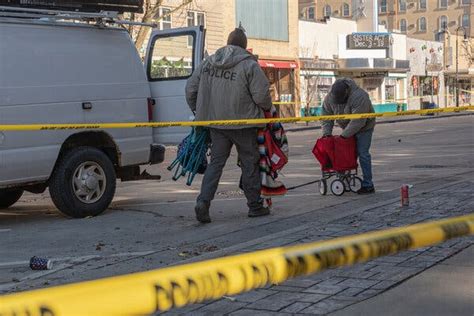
[[89, 182]]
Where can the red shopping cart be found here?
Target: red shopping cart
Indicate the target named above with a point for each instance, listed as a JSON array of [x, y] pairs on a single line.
[[338, 158]]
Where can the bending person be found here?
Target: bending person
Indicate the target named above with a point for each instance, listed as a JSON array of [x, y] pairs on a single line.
[[346, 97]]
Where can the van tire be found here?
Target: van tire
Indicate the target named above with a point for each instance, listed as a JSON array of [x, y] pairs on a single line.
[[61, 184], [9, 197]]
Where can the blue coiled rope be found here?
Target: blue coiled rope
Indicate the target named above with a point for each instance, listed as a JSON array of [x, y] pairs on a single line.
[[191, 158]]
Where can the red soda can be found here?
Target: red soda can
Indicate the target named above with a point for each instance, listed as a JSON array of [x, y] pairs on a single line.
[[405, 199]]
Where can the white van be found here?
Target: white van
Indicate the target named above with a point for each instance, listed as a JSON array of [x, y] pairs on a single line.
[[54, 71]]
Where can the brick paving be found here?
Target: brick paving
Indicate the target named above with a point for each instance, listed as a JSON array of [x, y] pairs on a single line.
[[335, 289]]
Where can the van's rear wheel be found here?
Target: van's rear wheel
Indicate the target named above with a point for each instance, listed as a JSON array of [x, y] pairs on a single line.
[[83, 182], [9, 197]]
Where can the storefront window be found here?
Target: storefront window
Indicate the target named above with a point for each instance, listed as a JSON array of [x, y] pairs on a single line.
[[282, 88], [390, 88], [372, 86], [324, 86], [286, 84], [272, 75], [465, 86], [390, 93], [316, 87], [428, 86], [464, 94]]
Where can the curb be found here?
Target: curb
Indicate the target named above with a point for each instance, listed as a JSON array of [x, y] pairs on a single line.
[[388, 121]]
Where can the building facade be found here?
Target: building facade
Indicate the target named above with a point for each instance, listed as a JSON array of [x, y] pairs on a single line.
[[427, 20], [318, 52], [335, 48], [459, 63], [426, 84], [173, 14], [422, 19], [272, 30], [307, 10]]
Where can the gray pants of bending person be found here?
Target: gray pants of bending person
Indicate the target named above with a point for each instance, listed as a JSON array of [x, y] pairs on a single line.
[[245, 141]]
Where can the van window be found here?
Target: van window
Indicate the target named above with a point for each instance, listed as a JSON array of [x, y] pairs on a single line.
[[171, 58]]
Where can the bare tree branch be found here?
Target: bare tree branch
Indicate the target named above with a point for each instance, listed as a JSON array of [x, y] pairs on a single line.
[[310, 84], [151, 10], [468, 48]]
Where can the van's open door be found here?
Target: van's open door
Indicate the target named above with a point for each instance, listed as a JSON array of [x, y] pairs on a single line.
[[172, 56]]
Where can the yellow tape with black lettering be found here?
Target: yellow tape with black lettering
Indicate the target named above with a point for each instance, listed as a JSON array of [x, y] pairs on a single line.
[[159, 290], [56, 127], [379, 101]]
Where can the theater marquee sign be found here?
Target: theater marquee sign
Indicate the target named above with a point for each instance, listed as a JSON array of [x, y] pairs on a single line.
[[368, 41]]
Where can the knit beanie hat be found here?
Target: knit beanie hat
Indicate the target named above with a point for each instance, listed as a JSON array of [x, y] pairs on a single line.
[[340, 92], [238, 38]]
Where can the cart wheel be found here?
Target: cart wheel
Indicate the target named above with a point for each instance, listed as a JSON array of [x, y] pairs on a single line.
[[337, 187], [355, 183], [323, 187]]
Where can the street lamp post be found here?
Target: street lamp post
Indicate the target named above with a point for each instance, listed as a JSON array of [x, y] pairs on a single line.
[[457, 61], [445, 57]]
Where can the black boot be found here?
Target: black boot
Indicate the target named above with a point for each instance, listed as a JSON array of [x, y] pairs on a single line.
[[262, 211], [202, 212], [366, 190]]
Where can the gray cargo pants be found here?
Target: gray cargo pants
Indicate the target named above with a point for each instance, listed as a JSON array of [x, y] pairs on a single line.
[[245, 141]]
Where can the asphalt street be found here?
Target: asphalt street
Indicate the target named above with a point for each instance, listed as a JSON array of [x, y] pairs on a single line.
[[151, 224]]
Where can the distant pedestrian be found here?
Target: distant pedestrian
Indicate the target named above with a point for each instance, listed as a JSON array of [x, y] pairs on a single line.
[[230, 85], [346, 97]]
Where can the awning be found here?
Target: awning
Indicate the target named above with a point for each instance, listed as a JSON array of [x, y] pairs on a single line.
[[277, 64]]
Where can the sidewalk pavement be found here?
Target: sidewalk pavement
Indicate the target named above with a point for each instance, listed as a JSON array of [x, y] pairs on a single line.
[[302, 126], [445, 289], [336, 289]]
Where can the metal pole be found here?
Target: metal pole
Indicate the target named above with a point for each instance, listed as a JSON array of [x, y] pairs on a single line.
[[375, 16], [457, 69], [446, 46]]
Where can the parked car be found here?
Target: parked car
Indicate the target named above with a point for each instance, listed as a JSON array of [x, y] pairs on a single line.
[[55, 71]]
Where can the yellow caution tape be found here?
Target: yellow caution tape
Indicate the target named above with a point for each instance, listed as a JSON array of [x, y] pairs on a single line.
[[45, 127], [373, 101], [159, 290], [379, 101]]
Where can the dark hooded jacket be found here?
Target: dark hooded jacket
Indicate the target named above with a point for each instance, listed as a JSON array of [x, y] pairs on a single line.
[[229, 85], [358, 102]]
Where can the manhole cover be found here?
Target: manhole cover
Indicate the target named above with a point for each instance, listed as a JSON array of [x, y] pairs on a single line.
[[427, 166]]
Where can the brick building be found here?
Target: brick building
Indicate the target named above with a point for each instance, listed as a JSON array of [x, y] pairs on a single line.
[[271, 27], [426, 20], [422, 19]]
